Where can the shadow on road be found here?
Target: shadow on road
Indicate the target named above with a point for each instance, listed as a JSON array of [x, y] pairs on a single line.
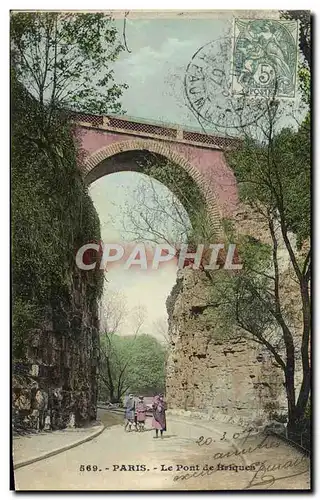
[[110, 419], [168, 436]]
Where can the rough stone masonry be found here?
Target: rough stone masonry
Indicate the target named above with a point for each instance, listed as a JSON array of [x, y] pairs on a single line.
[[223, 375], [215, 375], [55, 385]]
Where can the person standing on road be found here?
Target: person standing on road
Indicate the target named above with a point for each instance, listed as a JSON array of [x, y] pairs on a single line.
[[130, 412], [141, 409], [159, 415]]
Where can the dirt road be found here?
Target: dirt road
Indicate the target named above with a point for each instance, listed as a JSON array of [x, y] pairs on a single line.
[[193, 455]]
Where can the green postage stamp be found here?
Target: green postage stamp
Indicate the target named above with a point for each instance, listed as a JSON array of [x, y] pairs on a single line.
[[265, 57]]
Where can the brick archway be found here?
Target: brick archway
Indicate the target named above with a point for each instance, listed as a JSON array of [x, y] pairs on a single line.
[[92, 161]]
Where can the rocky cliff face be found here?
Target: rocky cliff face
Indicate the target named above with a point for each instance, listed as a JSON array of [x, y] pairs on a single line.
[[54, 304], [215, 375], [55, 385], [225, 374]]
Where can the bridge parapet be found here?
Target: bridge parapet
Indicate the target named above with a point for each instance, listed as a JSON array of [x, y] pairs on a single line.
[[168, 133]]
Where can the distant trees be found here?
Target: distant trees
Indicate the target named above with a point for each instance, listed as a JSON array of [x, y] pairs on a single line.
[[133, 362], [137, 365], [146, 374], [114, 362]]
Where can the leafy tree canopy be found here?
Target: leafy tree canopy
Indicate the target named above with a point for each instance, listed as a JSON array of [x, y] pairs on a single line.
[[64, 59], [278, 180], [140, 359]]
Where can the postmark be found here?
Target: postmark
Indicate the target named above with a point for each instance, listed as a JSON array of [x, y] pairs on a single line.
[[265, 57], [259, 61], [208, 88]]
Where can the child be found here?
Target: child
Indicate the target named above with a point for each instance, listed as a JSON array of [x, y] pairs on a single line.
[[141, 409], [130, 411]]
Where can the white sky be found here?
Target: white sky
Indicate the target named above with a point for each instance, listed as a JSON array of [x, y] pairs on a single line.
[[112, 195]]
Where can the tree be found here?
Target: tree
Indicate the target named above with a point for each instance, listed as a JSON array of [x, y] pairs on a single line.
[[274, 181], [112, 317], [174, 215], [116, 352], [115, 358], [138, 365], [63, 59], [160, 328], [113, 312], [146, 372]]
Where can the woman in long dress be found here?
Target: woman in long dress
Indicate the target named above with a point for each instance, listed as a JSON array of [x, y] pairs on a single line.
[[159, 415]]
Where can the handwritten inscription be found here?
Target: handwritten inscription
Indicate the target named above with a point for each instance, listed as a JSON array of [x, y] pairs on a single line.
[[263, 443], [262, 474], [264, 479]]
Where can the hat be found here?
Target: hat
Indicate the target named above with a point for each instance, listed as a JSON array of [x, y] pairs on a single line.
[[140, 397]]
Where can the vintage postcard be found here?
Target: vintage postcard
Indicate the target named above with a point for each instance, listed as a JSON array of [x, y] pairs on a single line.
[[161, 255]]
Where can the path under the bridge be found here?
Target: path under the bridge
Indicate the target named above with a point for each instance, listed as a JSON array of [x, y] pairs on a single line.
[[256, 461]]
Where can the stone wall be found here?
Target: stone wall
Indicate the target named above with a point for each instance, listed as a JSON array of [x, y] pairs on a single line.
[[55, 384]]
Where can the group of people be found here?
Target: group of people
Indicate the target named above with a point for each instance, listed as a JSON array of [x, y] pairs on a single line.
[[136, 411]]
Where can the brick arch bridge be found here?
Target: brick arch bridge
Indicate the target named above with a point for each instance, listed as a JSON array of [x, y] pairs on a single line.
[[106, 142]]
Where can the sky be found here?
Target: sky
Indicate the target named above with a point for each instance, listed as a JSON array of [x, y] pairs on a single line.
[[113, 196], [154, 69]]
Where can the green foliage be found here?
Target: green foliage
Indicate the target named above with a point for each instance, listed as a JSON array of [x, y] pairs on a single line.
[[274, 180], [146, 374], [256, 256], [304, 18], [304, 72], [137, 364], [305, 84], [244, 297], [63, 59], [277, 177], [246, 308], [52, 215], [178, 181]]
